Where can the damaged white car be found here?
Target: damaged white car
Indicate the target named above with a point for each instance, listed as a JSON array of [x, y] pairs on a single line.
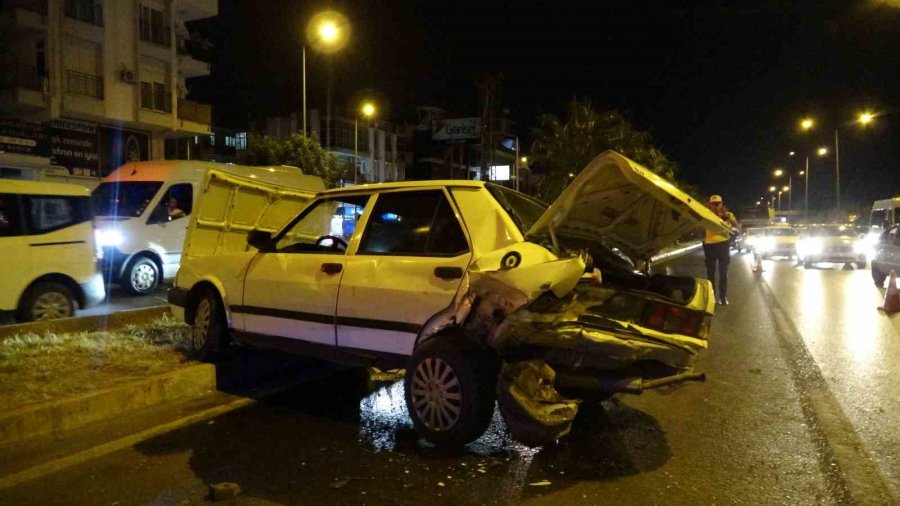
[[483, 294]]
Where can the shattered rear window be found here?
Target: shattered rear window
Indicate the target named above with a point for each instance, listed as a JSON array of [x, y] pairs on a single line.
[[523, 210]]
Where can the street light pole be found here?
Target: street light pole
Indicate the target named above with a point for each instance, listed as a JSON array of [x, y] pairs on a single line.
[[304, 91], [356, 148], [837, 170], [806, 193]]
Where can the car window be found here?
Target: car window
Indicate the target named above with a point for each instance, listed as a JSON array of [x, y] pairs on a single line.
[[319, 225], [782, 232], [896, 236], [177, 203], [523, 210], [415, 224], [49, 213], [9, 216]]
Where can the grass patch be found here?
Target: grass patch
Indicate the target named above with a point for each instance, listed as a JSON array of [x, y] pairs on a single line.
[[40, 367]]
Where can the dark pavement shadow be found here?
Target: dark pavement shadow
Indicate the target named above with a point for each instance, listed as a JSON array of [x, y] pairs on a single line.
[[333, 440]]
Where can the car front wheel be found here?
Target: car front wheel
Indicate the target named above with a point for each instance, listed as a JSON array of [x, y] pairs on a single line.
[[450, 390], [209, 329], [141, 277], [877, 276], [46, 301]]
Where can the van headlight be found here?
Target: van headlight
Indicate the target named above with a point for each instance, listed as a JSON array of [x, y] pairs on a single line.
[[108, 237]]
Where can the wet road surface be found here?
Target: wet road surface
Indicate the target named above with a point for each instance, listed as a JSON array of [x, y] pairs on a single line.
[[120, 300], [789, 415]]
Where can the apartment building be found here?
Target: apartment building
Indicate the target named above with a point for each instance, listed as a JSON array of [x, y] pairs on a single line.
[[92, 84]]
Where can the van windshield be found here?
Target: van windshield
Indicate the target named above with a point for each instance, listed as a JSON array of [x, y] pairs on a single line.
[[124, 200]]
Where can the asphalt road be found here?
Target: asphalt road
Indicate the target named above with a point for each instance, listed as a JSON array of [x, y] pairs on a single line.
[[800, 407], [120, 300]]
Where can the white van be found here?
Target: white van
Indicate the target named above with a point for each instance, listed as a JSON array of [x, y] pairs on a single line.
[[142, 210], [885, 214], [39, 168], [49, 257]]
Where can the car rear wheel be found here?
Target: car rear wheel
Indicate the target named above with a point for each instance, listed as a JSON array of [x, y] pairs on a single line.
[[46, 301], [209, 332], [141, 276], [450, 390], [877, 276]]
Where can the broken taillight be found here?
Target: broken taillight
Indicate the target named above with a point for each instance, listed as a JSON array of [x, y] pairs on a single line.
[[674, 319]]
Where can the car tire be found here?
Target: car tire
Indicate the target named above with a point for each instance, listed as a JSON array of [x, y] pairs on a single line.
[[450, 386], [209, 330], [141, 276], [860, 265], [46, 301], [878, 277]]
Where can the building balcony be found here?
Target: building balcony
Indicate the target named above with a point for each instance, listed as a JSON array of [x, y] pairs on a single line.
[[22, 90], [191, 10], [80, 83], [194, 117], [155, 33], [23, 15]]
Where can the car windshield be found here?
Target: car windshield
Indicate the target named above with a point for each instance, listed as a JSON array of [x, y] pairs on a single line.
[[781, 232], [523, 209], [835, 231], [124, 200]]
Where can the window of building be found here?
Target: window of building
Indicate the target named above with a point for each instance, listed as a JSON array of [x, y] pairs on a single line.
[[414, 224], [212, 139], [155, 94], [240, 140], [83, 63], [89, 11], [153, 25], [229, 141]]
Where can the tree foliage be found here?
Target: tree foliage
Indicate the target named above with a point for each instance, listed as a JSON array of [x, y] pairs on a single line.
[[296, 150], [563, 147]]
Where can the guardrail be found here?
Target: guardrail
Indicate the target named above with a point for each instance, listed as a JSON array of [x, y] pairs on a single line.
[[189, 110]]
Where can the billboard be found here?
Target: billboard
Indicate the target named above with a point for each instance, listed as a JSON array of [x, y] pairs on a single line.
[[456, 129]]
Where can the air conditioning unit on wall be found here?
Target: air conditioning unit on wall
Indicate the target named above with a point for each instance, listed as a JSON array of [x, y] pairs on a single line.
[[127, 76]]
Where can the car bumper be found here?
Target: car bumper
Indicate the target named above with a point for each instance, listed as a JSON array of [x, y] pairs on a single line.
[[779, 251], [836, 257], [94, 290]]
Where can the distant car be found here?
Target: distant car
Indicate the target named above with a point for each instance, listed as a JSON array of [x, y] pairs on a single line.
[[477, 290], [49, 257], [831, 243], [886, 255], [776, 241], [749, 238]]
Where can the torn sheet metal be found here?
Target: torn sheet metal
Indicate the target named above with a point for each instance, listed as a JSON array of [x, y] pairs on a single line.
[[534, 411]]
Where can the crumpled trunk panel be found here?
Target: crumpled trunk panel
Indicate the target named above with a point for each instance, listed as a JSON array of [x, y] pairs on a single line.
[[533, 410]]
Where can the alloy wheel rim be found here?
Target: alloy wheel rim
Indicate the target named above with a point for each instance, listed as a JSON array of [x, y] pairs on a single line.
[[201, 324], [143, 277], [51, 305], [436, 394]]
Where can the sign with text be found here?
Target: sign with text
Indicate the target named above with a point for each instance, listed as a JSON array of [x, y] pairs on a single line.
[[73, 144], [23, 138], [456, 129]]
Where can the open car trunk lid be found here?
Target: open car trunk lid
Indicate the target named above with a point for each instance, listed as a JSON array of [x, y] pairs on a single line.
[[230, 206], [627, 206]]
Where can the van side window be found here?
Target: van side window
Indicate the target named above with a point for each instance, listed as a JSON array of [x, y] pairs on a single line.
[[48, 213], [9, 216], [175, 204]]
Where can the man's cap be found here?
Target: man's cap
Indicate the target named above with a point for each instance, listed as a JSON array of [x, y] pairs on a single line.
[[715, 199]]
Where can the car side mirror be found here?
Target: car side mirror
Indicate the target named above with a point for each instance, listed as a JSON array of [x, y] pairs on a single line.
[[260, 240]]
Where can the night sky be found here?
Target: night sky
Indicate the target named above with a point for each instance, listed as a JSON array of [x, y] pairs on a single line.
[[720, 87]]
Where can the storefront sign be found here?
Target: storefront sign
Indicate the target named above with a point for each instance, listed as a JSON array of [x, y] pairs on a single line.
[[24, 138], [73, 144], [457, 129]]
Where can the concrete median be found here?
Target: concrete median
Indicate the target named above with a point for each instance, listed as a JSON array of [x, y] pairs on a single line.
[[86, 323], [63, 415]]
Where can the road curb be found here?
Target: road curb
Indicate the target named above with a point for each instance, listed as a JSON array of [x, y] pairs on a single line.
[[86, 323], [63, 415]]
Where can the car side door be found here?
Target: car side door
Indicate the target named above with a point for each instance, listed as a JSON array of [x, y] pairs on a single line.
[[291, 288], [407, 266], [15, 249]]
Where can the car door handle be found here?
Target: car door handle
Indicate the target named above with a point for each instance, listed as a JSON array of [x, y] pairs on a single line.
[[332, 268], [448, 272]]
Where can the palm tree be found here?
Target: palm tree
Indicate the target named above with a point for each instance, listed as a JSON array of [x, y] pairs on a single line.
[[565, 147]]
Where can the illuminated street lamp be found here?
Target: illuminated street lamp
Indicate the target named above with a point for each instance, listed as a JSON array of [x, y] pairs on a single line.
[[327, 32], [778, 172], [368, 110], [807, 123], [865, 118], [822, 151]]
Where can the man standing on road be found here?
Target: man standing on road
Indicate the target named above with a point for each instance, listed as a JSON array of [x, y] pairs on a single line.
[[716, 247]]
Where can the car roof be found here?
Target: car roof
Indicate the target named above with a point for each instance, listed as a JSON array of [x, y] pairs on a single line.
[[21, 186], [400, 185], [168, 170]]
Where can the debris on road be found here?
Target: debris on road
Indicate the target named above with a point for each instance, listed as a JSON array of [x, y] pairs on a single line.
[[542, 483], [224, 490]]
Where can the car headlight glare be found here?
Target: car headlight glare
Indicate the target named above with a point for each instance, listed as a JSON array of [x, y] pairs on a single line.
[[108, 237], [810, 247], [766, 244]]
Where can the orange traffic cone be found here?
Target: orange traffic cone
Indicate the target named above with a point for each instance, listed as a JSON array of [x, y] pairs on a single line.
[[891, 296]]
